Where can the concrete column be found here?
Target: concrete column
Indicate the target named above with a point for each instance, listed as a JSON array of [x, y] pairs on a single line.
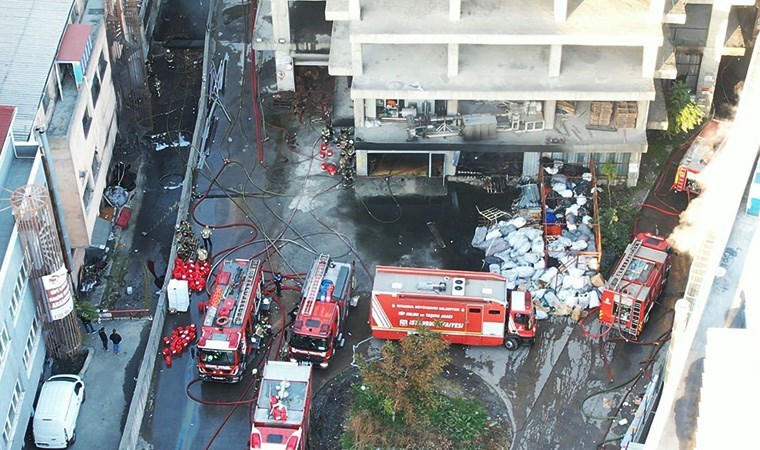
[[356, 59], [361, 163], [281, 21], [550, 110], [455, 9], [359, 112], [370, 109], [452, 107], [555, 60], [286, 80], [453, 60], [355, 9], [649, 61], [682, 308], [634, 166], [530, 164], [716, 36], [643, 114], [560, 10]]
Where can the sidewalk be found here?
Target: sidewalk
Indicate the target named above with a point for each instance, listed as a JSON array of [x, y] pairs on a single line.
[[106, 384]]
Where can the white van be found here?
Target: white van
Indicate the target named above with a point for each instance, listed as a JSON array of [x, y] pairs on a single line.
[[55, 418]]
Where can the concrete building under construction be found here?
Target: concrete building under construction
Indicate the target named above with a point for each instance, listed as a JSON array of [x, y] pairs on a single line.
[[434, 83]]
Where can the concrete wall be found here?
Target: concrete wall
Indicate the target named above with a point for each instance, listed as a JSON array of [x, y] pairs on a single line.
[[18, 325]]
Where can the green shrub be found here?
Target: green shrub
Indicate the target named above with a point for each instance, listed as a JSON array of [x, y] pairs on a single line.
[[460, 420], [683, 113]]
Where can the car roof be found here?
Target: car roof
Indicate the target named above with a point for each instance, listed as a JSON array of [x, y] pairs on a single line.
[[55, 396]]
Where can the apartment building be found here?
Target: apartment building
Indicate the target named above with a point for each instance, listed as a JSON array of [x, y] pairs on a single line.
[[59, 79], [22, 351], [440, 83]]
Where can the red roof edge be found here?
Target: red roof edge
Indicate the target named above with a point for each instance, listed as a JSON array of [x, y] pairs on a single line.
[[74, 42], [6, 120]]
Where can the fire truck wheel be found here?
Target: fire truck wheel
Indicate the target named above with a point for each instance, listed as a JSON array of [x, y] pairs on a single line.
[[511, 343]]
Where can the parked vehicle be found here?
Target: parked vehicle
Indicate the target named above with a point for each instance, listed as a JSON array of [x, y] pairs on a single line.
[[471, 308], [321, 317], [639, 277], [228, 333], [698, 156], [281, 417], [55, 418]]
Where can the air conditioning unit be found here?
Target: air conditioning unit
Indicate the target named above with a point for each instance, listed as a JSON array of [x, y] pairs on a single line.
[[457, 286]]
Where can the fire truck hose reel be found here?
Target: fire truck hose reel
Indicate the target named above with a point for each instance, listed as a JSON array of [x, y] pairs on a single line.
[[222, 321]]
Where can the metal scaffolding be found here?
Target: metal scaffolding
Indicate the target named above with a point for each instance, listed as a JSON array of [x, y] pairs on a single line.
[[47, 272]]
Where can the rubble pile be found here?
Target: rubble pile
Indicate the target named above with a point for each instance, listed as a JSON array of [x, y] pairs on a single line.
[[549, 246], [344, 141]]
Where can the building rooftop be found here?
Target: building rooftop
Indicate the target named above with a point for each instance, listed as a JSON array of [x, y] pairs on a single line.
[[6, 120], [74, 42], [30, 31]]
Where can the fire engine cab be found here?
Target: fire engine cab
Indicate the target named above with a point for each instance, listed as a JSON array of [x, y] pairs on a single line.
[[637, 281], [321, 317], [232, 314], [281, 417], [698, 156], [471, 308]]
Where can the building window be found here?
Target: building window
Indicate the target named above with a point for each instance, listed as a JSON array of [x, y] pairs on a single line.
[[20, 287], [88, 190], [5, 342], [31, 342], [13, 412], [95, 164], [95, 90], [86, 122], [102, 64]]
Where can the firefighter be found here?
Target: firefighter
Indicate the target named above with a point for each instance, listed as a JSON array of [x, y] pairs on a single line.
[[277, 278], [206, 236]]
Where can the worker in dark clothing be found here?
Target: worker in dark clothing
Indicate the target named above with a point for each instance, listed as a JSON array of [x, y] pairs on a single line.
[[277, 278], [87, 324], [116, 339], [103, 337], [206, 236]]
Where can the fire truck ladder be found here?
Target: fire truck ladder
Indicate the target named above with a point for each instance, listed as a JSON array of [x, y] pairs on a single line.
[[315, 284], [245, 292], [617, 277]]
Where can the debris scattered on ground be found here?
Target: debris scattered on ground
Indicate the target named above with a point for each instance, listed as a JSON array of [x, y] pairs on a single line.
[[556, 258]]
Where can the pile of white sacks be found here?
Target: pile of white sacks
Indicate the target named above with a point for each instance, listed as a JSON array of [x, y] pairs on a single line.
[[515, 249]]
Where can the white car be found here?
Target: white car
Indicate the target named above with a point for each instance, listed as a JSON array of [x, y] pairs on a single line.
[[55, 418]]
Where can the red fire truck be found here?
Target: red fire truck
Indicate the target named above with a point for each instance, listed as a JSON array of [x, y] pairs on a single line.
[[471, 308], [232, 313], [698, 156], [321, 317], [638, 279], [281, 417]]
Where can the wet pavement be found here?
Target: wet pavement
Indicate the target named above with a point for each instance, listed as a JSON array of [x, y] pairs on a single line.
[[288, 211]]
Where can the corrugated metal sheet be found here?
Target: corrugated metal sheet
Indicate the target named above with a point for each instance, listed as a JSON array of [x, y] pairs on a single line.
[[75, 42], [30, 31], [6, 119]]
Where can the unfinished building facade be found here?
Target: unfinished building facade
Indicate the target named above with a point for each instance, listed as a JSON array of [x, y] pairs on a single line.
[[438, 84]]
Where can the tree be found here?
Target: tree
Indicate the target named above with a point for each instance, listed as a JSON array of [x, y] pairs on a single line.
[[404, 377], [87, 310], [683, 113]]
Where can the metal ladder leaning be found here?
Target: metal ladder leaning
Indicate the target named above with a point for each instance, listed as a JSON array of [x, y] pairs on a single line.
[[245, 292], [630, 253], [315, 283]]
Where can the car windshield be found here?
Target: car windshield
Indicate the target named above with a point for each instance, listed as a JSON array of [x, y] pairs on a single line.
[[216, 357], [308, 342]]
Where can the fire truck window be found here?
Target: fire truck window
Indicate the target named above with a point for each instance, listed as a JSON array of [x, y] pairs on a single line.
[[274, 438], [521, 318], [494, 312], [308, 342], [217, 357], [312, 323], [474, 310]]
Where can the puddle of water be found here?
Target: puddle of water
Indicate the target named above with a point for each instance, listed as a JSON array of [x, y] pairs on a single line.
[[397, 231]]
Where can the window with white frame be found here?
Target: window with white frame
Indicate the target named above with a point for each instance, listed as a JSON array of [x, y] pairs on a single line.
[[22, 280], [31, 343], [13, 412], [5, 342]]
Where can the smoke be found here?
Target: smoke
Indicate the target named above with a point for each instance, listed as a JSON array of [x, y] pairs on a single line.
[[718, 181]]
